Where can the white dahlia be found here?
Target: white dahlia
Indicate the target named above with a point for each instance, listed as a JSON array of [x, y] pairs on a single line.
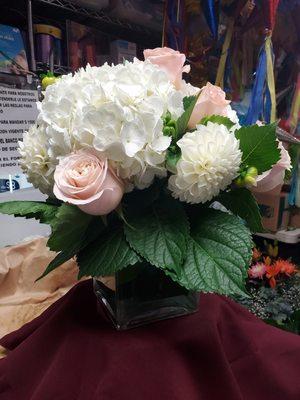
[[114, 110], [209, 162]]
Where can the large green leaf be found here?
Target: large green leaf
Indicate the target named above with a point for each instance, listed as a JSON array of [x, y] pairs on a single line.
[[217, 119], [189, 103], [259, 146], [242, 203], [160, 234], [219, 253], [106, 255], [68, 228], [70, 245], [43, 212], [60, 258], [138, 200]]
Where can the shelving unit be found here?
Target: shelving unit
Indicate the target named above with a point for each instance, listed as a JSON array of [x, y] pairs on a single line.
[[102, 20], [55, 12]]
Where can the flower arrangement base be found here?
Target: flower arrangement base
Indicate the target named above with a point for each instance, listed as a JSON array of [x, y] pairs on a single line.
[[142, 294]]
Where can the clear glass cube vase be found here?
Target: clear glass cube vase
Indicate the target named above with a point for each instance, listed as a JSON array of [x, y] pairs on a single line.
[[142, 294]]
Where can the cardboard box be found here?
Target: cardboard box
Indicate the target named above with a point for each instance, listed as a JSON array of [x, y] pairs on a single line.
[[295, 219], [274, 210], [121, 50]]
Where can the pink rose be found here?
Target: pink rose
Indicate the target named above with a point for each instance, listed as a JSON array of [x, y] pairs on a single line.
[[88, 182], [170, 61], [273, 179], [212, 101]]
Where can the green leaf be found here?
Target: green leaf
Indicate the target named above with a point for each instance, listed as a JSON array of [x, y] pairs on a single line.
[[71, 245], [43, 212], [259, 146], [138, 200], [160, 234], [68, 228], [242, 203], [61, 258], [106, 255], [172, 159], [189, 103], [218, 255], [217, 119]]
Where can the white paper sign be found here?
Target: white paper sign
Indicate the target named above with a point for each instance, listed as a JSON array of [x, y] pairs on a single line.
[[17, 112]]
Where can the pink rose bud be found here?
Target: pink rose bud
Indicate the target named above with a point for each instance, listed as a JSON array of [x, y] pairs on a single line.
[[170, 61], [212, 101], [272, 180], [87, 181]]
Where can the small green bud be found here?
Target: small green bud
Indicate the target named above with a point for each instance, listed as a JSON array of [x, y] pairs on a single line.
[[239, 182], [252, 171], [172, 123], [167, 117], [249, 180], [168, 131]]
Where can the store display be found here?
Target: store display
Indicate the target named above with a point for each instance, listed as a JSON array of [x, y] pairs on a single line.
[[48, 44], [13, 57]]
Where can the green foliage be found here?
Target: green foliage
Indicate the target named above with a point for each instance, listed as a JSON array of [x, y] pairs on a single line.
[[72, 231], [279, 306], [217, 119], [259, 146], [138, 200], [43, 212], [61, 258], [189, 103], [69, 228], [218, 254], [160, 235], [172, 158], [106, 255], [241, 202]]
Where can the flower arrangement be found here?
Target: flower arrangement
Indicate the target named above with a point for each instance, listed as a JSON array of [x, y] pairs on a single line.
[[133, 159]]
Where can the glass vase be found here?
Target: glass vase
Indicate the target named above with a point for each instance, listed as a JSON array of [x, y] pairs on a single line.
[[142, 294]]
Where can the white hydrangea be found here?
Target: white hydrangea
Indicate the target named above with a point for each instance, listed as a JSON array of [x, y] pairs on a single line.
[[209, 162], [116, 110]]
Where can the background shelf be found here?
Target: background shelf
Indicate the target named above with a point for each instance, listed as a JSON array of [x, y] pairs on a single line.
[[56, 12]]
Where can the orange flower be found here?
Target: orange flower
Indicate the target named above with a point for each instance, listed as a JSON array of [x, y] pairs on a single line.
[[272, 272], [285, 267], [256, 254], [267, 260]]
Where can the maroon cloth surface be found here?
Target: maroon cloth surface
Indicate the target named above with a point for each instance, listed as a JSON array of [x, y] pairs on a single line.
[[221, 352]]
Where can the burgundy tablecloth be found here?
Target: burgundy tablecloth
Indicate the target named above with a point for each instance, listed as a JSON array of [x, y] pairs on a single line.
[[222, 352]]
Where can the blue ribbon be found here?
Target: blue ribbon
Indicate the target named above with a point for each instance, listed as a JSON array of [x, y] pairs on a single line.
[[211, 14], [257, 107]]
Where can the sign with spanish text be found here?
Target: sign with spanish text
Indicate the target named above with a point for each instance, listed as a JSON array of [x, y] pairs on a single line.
[[18, 111]]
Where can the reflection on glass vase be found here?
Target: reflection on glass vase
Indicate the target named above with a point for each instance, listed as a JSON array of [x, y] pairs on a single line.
[[142, 294]]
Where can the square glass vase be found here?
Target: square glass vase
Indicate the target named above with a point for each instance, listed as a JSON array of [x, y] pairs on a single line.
[[142, 294]]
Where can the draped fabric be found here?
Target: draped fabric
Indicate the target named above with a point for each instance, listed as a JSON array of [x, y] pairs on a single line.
[[221, 352]]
